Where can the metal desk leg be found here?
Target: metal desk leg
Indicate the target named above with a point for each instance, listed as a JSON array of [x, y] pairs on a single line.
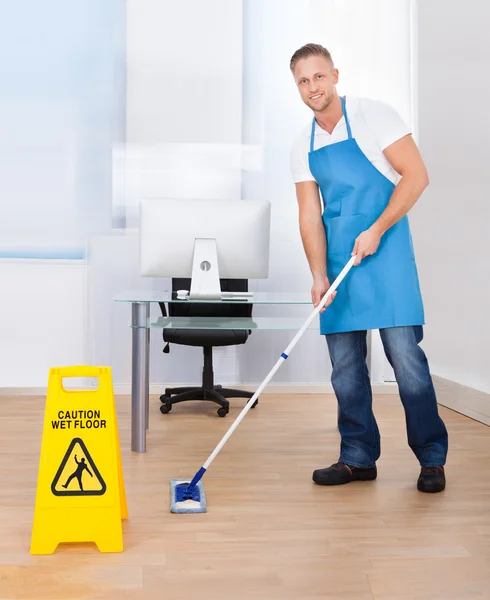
[[140, 312], [147, 395]]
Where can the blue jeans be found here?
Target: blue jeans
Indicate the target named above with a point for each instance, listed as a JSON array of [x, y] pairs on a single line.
[[360, 441]]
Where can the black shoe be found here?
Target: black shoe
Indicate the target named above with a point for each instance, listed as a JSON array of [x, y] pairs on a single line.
[[340, 473], [431, 480]]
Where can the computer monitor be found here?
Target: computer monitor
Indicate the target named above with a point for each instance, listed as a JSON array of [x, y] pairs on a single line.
[[205, 240]]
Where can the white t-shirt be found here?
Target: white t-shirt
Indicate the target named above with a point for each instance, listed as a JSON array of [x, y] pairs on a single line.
[[374, 124]]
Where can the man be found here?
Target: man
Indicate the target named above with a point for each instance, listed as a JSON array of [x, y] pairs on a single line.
[[362, 159]]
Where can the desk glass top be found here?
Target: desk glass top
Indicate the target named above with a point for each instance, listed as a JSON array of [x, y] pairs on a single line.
[[256, 298], [223, 323]]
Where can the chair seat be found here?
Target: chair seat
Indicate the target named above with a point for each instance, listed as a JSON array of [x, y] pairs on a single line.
[[205, 337]]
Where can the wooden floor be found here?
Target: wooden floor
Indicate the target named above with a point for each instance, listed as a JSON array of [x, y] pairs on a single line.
[[270, 533]]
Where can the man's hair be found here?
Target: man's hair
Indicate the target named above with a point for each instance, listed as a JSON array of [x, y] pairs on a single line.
[[307, 51]]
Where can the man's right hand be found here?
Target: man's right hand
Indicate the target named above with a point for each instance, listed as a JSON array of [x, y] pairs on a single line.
[[318, 290]]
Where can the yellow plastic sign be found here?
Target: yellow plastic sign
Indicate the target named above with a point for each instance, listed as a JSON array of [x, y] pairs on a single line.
[[80, 493]]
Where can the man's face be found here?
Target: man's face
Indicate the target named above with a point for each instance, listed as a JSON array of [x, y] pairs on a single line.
[[316, 78]]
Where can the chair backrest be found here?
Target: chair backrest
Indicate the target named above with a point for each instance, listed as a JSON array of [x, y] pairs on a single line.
[[210, 309]]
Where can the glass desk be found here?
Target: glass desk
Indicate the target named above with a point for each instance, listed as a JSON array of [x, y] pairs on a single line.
[[142, 323]]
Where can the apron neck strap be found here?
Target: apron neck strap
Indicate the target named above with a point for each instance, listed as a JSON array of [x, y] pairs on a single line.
[[312, 136], [349, 132]]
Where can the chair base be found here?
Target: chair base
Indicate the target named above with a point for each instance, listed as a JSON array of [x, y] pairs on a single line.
[[217, 394]]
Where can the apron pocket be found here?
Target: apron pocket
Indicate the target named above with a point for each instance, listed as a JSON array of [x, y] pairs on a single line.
[[342, 233]]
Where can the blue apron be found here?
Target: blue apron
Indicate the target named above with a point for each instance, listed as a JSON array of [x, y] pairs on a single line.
[[383, 291]]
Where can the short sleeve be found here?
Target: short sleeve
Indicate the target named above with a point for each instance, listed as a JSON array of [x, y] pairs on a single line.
[[300, 170], [385, 122]]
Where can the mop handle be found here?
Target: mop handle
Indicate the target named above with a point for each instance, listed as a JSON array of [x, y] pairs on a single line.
[[282, 358]]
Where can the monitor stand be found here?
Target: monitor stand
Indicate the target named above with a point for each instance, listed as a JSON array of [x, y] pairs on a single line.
[[205, 275], [205, 281]]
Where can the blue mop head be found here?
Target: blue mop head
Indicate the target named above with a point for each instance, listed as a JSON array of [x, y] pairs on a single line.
[[184, 499]]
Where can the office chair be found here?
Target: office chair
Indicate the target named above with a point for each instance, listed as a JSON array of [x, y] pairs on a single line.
[[207, 338]]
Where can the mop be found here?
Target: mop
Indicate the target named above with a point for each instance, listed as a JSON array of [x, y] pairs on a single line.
[[188, 496]]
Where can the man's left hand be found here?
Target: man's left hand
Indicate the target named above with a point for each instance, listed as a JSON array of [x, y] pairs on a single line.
[[366, 244]]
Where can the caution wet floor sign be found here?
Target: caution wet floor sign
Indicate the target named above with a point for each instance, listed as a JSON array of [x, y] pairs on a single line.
[[80, 491]]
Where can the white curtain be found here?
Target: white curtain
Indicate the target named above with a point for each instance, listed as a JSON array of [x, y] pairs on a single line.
[[371, 44], [183, 140]]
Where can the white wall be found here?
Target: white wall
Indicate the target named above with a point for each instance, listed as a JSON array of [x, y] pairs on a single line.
[[451, 222], [42, 320]]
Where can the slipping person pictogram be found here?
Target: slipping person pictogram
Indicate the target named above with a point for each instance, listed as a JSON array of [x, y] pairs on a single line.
[[95, 486], [81, 467]]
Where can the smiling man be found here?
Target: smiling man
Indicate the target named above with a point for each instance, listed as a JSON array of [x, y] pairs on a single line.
[[358, 172]]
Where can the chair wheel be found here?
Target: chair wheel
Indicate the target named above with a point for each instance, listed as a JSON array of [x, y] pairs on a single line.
[[165, 408], [222, 412], [164, 398], [255, 403]]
